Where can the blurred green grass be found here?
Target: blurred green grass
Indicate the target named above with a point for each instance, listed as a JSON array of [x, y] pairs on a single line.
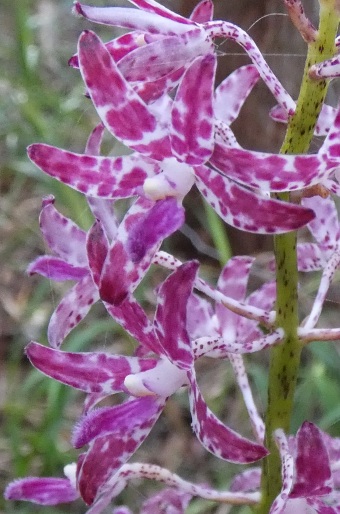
[[41, 99]]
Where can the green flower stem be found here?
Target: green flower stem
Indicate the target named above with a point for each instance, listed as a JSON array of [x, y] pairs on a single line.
[[285, 359]]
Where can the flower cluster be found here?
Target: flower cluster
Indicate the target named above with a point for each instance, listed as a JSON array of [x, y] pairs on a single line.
[[154, 90]]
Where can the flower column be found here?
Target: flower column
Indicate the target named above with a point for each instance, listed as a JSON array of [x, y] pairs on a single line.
[[285, 359]]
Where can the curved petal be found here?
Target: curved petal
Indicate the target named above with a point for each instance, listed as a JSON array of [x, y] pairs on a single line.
[[216, 437], [62, 235], [103, 177], [192, 136], [130, 315], [204, 11], [132, 19], [245, 210], [269, 172], [231, 94], [313, 471], [120, 108], [170, 323], [43, 491], [92, 372], [71, 310], [233, 281], [139, 236], [56, 269], [114, 442]]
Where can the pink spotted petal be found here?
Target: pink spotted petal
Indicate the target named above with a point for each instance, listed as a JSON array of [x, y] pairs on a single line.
[[164, 218], [118, 47], [204, 11], [324, 123], [326, 69], [228, 30], [117, 433], [102, 209], [104, 177], [62, 235], [151, 91], [71, 310], [325, 283], [134, 19], [231, 94], [313, 472], [97, 247], [269, 172], [164, 56], [43, 491], [245, 210], [130, 315], [140, 234], [152, 6], [120, 108], [176, 502], [321, 507], [92, 372], [200, 321], [249, 480], [56, 269], [117, 419], [310, 257], [279, 504], [233, 281], [249, 331], [170, 323], [192, 136], [216, 437], [241, 376], [325, 226]]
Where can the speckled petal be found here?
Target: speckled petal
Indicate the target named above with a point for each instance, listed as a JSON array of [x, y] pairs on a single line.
[[231, 94], [164, 56], [313, 472], [71, 310], [103, 177], [310, 257], [62, 235], [92, 372], [192, 137], [56, 269], [43, 491], [216, 437], [133, 19], [278, 506], [324, 123], [269, 172], [326, 69], [325, 226], [139, 236], [170, 323], [228, 30], [120, 108], [130, 315], [246, 210], [233, 281], [114, 434]]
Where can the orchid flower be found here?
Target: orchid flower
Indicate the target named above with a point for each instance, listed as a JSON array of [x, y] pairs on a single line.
[[168, 139], [71, 244], [122, 428], [310, 473]]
